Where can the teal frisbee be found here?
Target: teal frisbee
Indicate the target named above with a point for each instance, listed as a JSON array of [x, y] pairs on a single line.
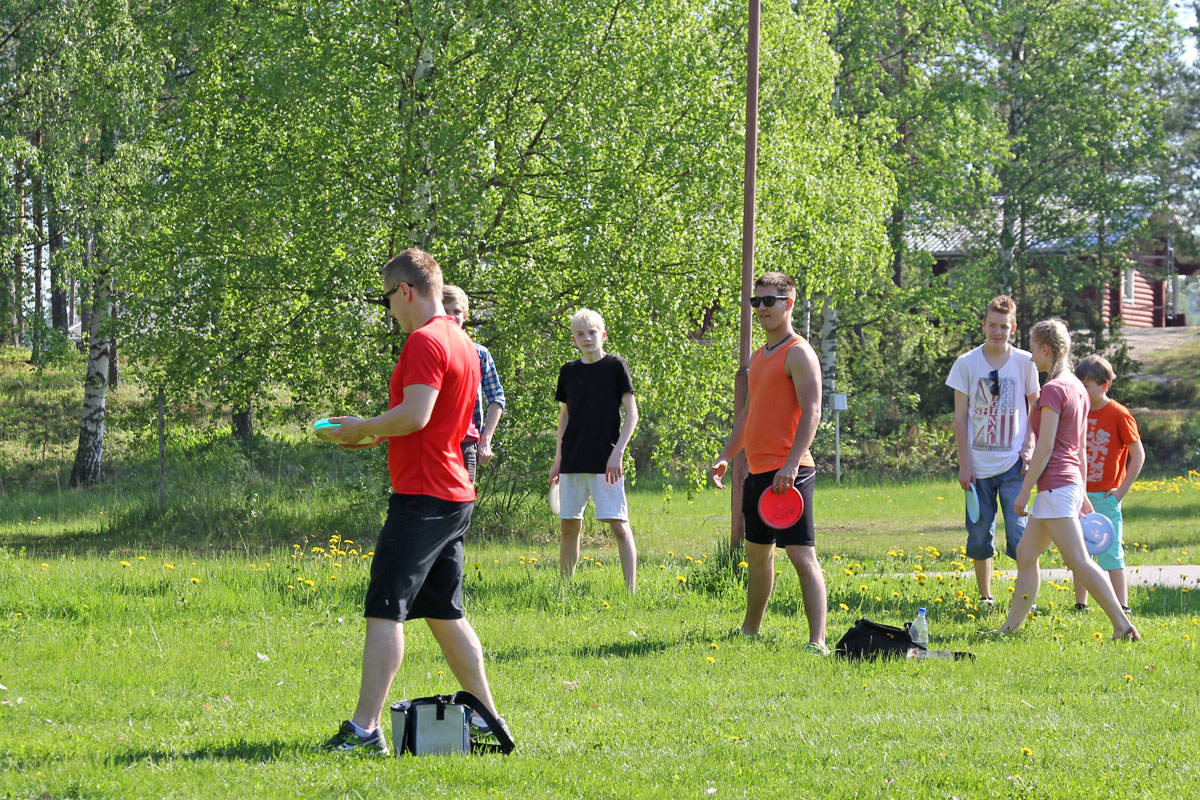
[[972, 498], [324, 429]]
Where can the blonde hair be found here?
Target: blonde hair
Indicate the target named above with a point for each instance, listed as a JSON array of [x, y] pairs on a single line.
[[1054, 334], [451, 292], [587, 316]]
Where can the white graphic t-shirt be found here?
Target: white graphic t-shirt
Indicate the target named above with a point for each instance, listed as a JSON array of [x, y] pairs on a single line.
[[998, 416]]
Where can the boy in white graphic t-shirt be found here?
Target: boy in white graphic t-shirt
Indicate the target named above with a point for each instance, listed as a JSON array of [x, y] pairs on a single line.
[[994, 386]]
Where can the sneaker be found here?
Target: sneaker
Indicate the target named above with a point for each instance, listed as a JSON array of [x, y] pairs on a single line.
[[987, 601], [1128, 611], [816, 648], [347, 740], [1081, 606]]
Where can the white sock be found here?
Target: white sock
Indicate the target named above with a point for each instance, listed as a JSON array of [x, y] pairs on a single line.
[[363, 733]]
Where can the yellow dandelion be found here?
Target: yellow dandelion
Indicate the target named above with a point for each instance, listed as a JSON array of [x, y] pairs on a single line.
[[1025, 751], [606, 605], [1128, 678], [194, 579], [970, 616], [1097, 635], [714, 646], [141, 558], [168, 565], [124, 563], [681, 579], [843, 607], [743, 564], [710, 659]]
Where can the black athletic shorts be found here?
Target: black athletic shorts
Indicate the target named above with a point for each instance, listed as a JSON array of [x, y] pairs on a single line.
[[417, 570], [760, 532]]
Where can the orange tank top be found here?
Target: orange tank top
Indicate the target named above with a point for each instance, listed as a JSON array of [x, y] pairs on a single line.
[[773, 411]]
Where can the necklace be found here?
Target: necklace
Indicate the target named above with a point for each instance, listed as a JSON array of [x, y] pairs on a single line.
[[771, 348]]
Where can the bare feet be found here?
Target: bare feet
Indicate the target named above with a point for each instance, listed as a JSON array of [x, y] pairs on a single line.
[[1130, 634]]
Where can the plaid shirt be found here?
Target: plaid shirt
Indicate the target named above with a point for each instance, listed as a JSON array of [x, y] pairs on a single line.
[[490, 391]]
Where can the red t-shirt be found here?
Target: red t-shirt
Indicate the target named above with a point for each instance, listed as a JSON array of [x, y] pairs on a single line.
[[1111, 429], [1069, 399], [430, 461]]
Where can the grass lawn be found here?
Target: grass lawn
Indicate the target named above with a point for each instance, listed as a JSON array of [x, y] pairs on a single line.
[[137, 668]]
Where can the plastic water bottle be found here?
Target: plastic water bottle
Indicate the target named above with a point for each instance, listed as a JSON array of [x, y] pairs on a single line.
[[919, 631]]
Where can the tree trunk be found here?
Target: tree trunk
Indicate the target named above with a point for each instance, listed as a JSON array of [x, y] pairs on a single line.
[[19, 255], [39, 227], [829, 334], [1016, 125], [59, 317], [91, 429], [243, 422], [85, 305]]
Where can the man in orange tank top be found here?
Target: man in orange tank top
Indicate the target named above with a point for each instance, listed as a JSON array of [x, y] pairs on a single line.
[[776, 429]]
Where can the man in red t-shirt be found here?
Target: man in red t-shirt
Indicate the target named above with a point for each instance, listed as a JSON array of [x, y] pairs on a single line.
[[417, 569]]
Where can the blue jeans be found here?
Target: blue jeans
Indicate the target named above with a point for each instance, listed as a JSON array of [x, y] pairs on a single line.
[[981, 535]]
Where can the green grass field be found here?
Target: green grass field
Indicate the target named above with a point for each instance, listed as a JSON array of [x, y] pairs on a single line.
[[204, 647], [184, 673]]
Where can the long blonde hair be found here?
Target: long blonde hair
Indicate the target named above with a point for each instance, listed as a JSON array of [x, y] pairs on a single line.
[[1054, 334]]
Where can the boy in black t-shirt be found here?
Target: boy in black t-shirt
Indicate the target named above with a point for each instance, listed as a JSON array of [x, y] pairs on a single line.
[[591, 391]]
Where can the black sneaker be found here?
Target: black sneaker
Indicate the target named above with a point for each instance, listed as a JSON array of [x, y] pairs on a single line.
[[1128, 611], [347, 740], [1081, 607]]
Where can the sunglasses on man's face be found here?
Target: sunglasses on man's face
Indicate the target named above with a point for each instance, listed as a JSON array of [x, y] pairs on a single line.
[[768, 301], [384, 299]]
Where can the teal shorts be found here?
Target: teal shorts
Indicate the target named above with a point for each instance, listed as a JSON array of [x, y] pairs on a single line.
[[1110, 506]]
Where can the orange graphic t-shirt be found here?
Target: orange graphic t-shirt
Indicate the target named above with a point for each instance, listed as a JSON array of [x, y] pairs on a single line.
[[1110, 431]]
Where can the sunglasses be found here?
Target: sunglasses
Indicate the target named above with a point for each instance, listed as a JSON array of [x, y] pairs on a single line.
[[768, 301], [385, 298], [994, 377]]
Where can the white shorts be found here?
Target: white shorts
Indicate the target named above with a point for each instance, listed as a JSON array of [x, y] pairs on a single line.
[[1065, 501], [575, 488]]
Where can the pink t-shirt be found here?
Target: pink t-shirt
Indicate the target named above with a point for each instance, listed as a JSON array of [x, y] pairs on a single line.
[[1066, 396]]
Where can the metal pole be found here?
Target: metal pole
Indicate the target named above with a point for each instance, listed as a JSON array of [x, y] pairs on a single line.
[[837, 444], [737, 523]]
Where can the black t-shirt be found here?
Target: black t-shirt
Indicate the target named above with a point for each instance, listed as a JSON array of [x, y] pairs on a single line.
[[593, 394]]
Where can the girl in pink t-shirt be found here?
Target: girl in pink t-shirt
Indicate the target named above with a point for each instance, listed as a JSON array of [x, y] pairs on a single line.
[[1059, 468]]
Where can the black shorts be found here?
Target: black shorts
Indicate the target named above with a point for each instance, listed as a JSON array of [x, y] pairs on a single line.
[[417, 570], [760, 532]]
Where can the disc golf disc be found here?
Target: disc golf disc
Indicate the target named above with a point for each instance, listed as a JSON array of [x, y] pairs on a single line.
[[1098, 532], [780, 510], [555, 505], [324, 430], [972, 504]]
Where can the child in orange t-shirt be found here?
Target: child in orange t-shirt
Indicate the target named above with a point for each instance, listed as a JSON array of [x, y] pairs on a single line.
[[1115, 457]]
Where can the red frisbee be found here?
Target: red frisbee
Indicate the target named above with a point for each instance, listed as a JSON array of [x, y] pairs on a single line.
[[780, 510]]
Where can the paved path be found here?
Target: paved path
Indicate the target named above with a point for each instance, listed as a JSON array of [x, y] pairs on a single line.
[[1175, 576]]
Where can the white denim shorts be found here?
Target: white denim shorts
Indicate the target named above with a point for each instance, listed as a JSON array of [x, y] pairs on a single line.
[[575, 488], [1064, 501]]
